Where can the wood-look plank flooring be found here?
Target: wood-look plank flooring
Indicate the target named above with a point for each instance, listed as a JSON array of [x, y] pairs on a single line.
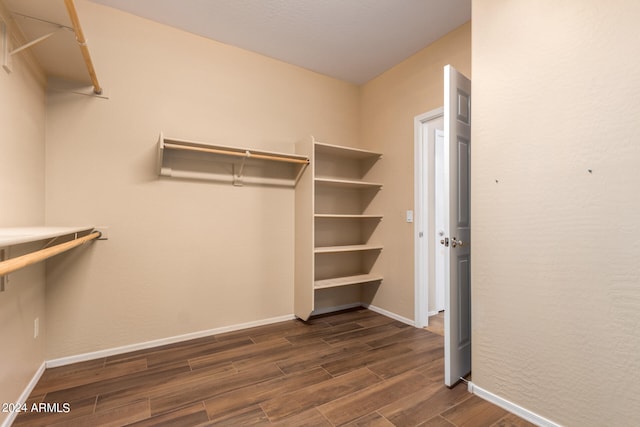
[[354, 368], [436, 324]]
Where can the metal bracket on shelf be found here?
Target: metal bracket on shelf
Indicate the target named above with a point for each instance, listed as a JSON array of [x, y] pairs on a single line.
[[50, 242], [237, 177], [3, 279]]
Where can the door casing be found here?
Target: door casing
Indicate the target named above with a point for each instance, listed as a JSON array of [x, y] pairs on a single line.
[[424, 161]]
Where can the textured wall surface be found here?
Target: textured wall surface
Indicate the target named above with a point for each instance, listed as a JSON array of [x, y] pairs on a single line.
[[556, 241], [389, 104], [22, 152], [182, 256]]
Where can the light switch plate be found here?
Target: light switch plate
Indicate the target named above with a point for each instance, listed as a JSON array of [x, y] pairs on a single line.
[[409, 216]]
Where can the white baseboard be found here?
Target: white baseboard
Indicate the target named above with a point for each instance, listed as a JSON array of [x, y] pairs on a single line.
[[163, 341], [25, 394], [390, 314], [432, 313], [170, 340], [511, 407]]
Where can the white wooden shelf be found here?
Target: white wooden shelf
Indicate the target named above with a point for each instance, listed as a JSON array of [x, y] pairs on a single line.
[[341, 151], [347, 281], [347, 216], [181, 158], [346, 248], [21, 235], [18, 235], [347, 183]]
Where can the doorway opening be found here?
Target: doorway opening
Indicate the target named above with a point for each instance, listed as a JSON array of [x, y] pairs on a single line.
[[429, 262]]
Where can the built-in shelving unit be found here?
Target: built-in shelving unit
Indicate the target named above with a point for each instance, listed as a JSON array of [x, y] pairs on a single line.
[[185, 159], [335, 232]]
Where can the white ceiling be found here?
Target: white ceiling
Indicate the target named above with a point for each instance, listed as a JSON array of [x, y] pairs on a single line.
[[352, 40]]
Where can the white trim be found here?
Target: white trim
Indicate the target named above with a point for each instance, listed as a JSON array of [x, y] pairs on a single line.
[[163, 341], [25, 394], [433, 313], [421, 246], [389, 314], [178, 338], [326, 310], [511, 407]]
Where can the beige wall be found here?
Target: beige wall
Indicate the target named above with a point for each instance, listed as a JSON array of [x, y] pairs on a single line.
[[22, 112], [389, 104], [556, 294], [182, 256]]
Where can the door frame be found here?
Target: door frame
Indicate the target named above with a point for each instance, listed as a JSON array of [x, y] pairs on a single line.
[[422, 160]]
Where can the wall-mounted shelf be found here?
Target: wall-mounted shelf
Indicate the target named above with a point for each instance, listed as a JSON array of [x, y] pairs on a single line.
[[22, 235], [335, 231], [18, 235], [51, 29], [202, 161]]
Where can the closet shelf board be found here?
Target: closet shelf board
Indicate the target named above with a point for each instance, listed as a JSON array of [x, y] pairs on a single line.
[[237, 157], [347, 216], [18, 235], [347, 280], [346, 248], [341, 151], [345, 183]]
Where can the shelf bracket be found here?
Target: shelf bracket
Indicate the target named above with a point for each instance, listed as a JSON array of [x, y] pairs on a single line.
[[237, 178], [50, 242], [302, 168], [33, 42], [4, 36], [3, 279]]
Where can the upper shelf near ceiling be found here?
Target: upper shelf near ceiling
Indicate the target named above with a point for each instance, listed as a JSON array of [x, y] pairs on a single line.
[[65, 53], [185, 159]]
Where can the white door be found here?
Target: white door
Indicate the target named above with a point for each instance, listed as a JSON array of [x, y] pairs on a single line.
[[457, 129], [440, 251]]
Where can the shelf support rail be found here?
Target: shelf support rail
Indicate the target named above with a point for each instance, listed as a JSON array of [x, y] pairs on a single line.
[[13, 264], [82, 42], [238, 153], [237, 178], [3, 279]]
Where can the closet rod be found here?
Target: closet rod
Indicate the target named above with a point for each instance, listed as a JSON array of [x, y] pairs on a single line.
[[17, 263], [82, 42], [238, 154]]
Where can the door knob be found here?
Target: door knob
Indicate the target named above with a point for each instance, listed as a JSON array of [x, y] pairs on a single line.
[[455, 242]]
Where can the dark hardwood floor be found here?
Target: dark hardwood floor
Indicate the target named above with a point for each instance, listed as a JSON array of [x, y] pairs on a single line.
[[355, 368]]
